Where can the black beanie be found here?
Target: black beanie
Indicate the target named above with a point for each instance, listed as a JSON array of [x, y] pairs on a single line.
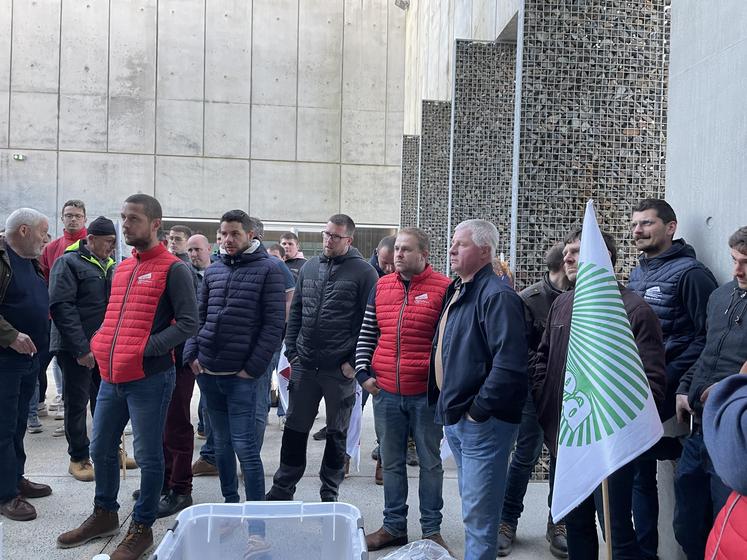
[[101, 226]]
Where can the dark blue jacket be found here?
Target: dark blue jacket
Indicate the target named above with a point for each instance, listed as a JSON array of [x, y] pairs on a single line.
[[677, 287], [242, 314], [484, 353]]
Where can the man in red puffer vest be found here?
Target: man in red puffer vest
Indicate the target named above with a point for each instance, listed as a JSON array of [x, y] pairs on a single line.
[[392, 363], [152, 309]]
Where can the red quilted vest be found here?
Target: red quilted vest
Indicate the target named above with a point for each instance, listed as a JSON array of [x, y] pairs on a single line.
[[728, 538], [137, 287], [407, 321]]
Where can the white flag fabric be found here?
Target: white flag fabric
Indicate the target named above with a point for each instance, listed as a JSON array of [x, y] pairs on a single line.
[[355, 428], [283, 372], [608, 414]]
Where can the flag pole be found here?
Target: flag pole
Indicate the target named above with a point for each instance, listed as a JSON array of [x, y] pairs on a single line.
[[607, 522]]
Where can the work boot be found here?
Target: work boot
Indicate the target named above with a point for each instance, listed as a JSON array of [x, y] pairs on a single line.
[[556, 536], [202, 468], [321, 434], [81, 470], [28, 489], [506, 536], [379, 474], [137, 541], [101, 523], [18, 509], [383, 539], [439, 540]]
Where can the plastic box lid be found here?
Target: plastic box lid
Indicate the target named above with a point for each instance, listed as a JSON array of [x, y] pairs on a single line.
[[292, 530]]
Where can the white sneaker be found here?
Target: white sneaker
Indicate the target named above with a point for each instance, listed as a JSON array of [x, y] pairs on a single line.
[[59, 431], [256, 546], [56, 403], [59, 414], [128, 429]]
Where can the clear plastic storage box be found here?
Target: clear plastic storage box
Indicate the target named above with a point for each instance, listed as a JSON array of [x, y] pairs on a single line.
[[292, 530]]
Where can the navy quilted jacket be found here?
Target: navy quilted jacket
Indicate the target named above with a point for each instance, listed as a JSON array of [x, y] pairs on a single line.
[[242, 314]]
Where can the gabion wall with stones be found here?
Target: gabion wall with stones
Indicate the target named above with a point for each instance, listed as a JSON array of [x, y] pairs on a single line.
[[483, 134], [434, 177], [593, 120], [409, 186]]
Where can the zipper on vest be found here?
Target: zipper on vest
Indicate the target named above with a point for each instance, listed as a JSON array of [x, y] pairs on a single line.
[[119, 321], [399, 328], [319, 309]]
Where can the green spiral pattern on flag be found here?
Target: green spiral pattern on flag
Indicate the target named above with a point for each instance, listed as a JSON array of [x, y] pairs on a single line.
[[605, 386]]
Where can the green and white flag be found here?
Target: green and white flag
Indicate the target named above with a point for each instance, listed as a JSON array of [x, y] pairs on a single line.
[[608, 414]]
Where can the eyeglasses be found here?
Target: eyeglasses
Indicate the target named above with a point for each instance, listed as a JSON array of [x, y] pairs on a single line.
[[334, 237], [642, 223], [73, 216]]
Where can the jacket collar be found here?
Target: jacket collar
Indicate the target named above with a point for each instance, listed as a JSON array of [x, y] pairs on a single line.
[[70, 238], [255, 251], [153, 253]]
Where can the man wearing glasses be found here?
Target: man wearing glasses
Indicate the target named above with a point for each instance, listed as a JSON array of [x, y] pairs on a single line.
[[325, 318], [74, 223]]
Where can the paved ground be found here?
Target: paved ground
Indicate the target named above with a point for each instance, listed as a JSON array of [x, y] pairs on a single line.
[[71, 501]]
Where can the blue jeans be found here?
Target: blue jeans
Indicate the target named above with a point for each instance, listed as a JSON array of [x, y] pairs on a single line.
[[699, 496], [526, 453], [481, 453], [144, 402], [207, 451], [394, 417], [231, 403], [581, 525], [19, 375]]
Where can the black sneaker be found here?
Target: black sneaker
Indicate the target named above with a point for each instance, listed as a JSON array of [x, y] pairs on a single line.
[[321, 434], [173, 503], [506, 536], [375, 453]]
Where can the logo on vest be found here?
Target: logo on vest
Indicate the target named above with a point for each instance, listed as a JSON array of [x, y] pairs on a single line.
[[145, 278], [422, 298], [653, 294]]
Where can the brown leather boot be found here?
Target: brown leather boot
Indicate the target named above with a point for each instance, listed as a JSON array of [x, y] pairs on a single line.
[[138, 540], [101, 523], [18, 509], [28, 489], [379, 475], [439, 540], [383, 539]]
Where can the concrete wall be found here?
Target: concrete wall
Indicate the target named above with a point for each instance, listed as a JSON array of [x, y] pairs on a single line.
[[707, 139], [292, 109], [432, 27]]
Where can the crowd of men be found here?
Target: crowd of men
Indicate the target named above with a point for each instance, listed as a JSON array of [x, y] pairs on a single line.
[[469, 360]]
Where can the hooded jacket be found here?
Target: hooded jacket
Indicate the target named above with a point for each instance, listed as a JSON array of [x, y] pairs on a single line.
[[79, 288], [677, 287], [548, 374], [726, 343], [327, 310], [242, 314], [725, 435]]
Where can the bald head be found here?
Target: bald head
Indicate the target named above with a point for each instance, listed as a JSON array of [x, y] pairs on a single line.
[[198, 248]]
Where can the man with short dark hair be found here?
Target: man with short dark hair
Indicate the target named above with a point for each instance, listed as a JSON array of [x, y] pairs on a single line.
[[548, 377], [79, 288], [151, 310], [677, 287], [478, 380], [277, 250], [178, 236], [325, 318], [699, 492], [392, 363], [24, 312], [293, 258], [73, 217], [242, 314], [537, 300], [382, 258]]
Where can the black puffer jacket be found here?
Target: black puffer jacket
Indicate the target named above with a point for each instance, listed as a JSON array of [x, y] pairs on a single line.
[[79, 288], [327, 310]]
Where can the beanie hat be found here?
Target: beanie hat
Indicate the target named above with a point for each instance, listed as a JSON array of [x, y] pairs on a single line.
[[101, 226]]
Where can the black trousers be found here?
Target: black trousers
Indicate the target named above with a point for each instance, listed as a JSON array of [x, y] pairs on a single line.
[[79, 390]]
